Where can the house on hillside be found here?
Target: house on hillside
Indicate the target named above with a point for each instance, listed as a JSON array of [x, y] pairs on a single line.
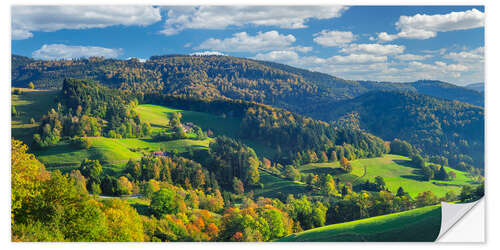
[[187, 126], [158, 153]]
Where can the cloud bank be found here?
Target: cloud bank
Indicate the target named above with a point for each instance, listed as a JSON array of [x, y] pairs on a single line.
[[61, 51], [27, 19]]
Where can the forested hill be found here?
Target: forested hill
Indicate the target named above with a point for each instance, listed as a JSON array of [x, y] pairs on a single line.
[[271, 83], [449, 128]]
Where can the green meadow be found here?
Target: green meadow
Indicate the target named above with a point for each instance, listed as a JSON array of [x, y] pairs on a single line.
[[396, 171], [111, 151], [158, 116], [276, 187], [421, 224], [30, 104]]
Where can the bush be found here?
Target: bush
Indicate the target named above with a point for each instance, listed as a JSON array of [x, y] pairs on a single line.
[[81, 143]]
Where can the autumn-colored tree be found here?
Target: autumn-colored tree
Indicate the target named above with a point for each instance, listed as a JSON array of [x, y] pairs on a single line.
[[452, 175], [328, 186], [333, 156], [31, 85], [323, 157], [27, 173], [124, 186], [123, 221], [79, 180], [426, 198], [266, 163], [238, 186]]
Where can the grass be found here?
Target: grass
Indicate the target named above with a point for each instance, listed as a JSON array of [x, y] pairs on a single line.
[[275, 187], [396, 171], [111, 152], [158, 116], [422, 224], [30, 104]]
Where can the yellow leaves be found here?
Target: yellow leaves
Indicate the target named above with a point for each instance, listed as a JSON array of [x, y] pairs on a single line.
[[27, 174], [124, 224]]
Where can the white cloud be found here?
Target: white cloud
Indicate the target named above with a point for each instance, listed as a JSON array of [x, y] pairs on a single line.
[[142, 60], [292, 58], [377, 67], [412, 57], [303, 49], [240, 42], [422, 26], [333, 38], [375, 49], [220, 17], [278, 56], [207, 53], [475, 55], [61, 51], [358, 58], [26, 19]]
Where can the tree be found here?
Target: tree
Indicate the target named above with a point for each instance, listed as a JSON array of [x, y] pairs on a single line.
[[92, 170], [417, 161], [31, 85], [329, 185], [451, 196], [344, 191], [292, 173], [238, 186], [452, 175], [163, 203], [401, 192], [441, 174], [14, 111], [427, 173], [426, 198], [124, 186], [333, 156], [27, 174], [124, 223], [400, 147], [379, 180], [79, 180], [149, 188], [345, 164], [323, 157]]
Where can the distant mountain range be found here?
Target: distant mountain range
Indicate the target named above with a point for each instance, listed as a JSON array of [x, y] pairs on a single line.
[[241, 78], [476, 86]]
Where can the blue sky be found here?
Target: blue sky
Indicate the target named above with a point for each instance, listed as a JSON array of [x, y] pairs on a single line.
[[384, 43]]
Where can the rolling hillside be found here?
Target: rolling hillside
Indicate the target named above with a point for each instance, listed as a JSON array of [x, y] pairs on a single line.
[[449, 128], [421, 224], [476, 86], [396, 171], [30, 104]]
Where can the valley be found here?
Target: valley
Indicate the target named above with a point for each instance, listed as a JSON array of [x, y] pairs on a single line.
[[234, 156]]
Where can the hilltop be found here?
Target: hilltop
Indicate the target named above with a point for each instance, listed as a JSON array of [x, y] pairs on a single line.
[[421, 224]]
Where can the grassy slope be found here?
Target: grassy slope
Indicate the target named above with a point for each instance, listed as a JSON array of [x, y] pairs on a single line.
[[422, 224], [30, 104], [112, 151], [396, 171], [276, 187], [158, 116]]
